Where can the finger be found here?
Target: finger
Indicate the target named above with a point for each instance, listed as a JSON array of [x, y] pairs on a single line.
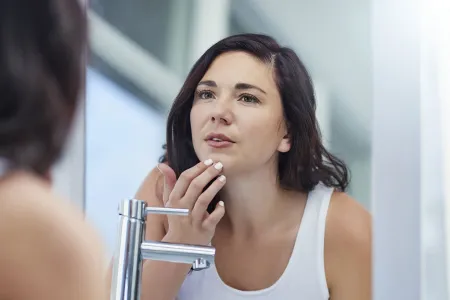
[[169, 180], [198, 184], [186, 178], [201, 205], [214, 218]]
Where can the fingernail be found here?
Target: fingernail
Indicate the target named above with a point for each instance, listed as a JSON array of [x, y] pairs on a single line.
[[222, 178], [208, 162], [221, 203], [218, 166]]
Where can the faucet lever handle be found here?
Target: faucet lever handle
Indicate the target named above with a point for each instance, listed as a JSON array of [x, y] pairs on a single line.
[[166, 211], [138, 209]]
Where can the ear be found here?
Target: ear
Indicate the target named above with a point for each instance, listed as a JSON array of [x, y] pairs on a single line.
[[285, 144]]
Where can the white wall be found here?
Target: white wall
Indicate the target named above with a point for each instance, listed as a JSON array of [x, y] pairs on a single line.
[[204, 32], [396, 158], [435, 72], [410, 181], [68, 174]]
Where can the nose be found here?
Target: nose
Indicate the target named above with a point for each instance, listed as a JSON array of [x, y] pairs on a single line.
[[221, 113]]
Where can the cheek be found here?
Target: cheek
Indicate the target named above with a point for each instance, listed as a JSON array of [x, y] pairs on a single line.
[[196, 121], [197, 124], [264, 132]]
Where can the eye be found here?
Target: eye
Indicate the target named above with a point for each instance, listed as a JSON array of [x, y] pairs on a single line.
[[205, 94], [249, 99]]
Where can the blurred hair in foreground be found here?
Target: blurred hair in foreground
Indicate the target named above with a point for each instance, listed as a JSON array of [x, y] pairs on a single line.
[[41, 75]]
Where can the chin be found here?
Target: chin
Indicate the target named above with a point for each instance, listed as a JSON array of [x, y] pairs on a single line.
[[229, 158], [224, 158]]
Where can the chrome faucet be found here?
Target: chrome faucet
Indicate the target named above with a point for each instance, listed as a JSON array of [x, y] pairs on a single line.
[[131, 249]]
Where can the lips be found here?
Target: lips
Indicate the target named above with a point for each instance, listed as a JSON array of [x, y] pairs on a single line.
[[219, 141], [218, 137]]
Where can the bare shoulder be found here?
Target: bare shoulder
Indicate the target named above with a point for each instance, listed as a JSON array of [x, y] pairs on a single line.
[[347, 220], [151, 189], [348, 242], [47, 245]]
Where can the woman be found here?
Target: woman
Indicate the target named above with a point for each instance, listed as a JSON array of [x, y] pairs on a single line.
[[244, 154], [47, 251]]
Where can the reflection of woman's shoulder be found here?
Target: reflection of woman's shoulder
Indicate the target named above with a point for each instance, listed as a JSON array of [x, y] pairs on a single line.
[[48, 242], [151, 189], [348, 223], [346, 217], [348, 241]]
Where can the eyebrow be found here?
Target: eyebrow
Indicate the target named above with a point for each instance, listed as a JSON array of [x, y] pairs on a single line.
[[238, 86]]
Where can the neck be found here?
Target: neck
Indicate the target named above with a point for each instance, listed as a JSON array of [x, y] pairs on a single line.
[[254, 202], [25, 177]]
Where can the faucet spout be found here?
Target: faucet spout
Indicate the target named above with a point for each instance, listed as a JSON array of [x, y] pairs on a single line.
[[177, 253]]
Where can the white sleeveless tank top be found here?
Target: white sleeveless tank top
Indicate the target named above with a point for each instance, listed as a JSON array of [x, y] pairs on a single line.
[[304, 276]]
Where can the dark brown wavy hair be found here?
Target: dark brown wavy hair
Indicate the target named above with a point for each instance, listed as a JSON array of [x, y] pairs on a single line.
[[42, 69], [308, 162]]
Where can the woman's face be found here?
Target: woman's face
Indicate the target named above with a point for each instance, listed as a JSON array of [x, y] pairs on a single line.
[[237, 114]]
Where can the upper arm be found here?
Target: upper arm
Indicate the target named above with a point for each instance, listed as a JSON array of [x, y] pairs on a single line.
[[49, 253], [348, 242], [151, 191]]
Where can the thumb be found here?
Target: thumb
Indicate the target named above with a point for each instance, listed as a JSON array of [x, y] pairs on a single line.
[[169, 180]]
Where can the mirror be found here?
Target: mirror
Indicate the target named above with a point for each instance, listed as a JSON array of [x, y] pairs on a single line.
[[127, 99], [141, 51]]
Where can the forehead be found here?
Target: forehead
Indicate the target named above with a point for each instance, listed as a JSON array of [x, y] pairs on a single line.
[[233, 67]]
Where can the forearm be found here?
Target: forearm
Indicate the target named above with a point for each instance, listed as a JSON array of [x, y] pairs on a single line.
[[162, 280]]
